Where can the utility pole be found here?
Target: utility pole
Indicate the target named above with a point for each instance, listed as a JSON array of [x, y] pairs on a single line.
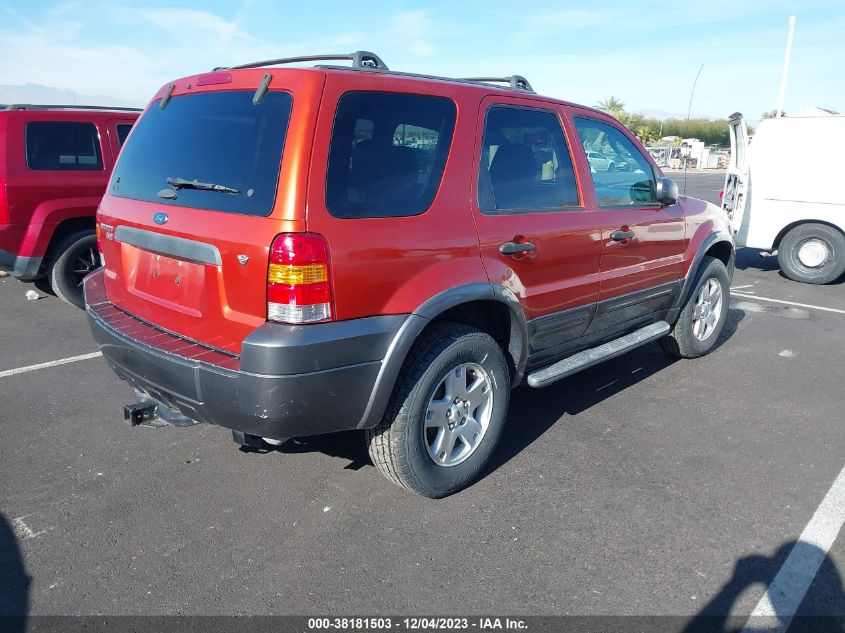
[[786, 59]]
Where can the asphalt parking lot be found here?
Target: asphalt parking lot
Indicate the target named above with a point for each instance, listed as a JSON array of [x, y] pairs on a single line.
[[639, 487]]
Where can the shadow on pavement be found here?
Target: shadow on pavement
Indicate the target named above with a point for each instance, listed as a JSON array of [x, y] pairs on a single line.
[[822, 610], [532, 411], [43, 284], [750, 258], [14, 581], [348, 445]]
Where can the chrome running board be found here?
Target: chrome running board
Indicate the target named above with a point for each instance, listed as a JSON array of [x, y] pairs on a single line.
[[589, 357]]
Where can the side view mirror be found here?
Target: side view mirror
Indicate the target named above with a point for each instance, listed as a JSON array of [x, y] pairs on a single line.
[[667, 191]]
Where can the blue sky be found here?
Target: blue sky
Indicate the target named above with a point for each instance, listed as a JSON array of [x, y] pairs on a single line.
[[646, 54]]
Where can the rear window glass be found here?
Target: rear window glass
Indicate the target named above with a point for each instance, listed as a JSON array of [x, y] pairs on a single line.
[[387, 153], [212, 150], [63, 146]]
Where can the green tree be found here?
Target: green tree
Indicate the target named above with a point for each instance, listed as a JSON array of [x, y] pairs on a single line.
[[645, 134], [613, 106], [711, 131]]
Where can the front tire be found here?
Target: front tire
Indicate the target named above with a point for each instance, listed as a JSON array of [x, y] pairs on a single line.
[[446, 413], [74, 257], [704, 313], [812, 253]]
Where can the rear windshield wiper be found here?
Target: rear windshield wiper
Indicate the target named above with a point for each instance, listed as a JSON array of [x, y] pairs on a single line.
[[181, 183]]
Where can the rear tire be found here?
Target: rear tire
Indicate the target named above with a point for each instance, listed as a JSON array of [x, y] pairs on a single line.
[[446, 413], [74, 257], [812, 253], [703, 315]]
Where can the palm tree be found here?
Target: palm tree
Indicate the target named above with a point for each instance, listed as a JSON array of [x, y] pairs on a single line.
[[613, 106], [645, 134]]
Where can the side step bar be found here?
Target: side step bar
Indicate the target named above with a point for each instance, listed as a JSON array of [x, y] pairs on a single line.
[[589, 357]]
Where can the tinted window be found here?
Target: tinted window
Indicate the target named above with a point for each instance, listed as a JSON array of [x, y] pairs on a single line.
[[213, 138], [525, 162], [122, 132], [63, 146], [621, 174], [387, 153]]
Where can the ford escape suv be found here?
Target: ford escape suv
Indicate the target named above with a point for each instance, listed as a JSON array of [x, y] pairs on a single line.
[[55, 162], [296, 251]]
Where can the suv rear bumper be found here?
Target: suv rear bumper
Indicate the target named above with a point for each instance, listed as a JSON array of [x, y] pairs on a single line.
[[24, 268], [289, 380]]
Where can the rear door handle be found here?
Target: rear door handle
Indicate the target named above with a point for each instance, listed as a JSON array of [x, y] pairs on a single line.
[[514, 248], [618, 236]]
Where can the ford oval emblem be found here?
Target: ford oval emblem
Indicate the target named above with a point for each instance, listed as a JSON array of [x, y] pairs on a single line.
[[160, 217]]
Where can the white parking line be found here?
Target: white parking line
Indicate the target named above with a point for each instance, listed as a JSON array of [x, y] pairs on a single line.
[[789, 303], [52, 363], [741, 287], [785, 593]]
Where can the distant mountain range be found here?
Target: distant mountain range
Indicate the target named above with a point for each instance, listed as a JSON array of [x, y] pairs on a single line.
[[48, 95], [660, 115]]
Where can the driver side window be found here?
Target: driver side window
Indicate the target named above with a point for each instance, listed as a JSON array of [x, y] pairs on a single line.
[[622, 176]]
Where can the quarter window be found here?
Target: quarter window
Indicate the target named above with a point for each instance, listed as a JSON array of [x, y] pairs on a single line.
[[123, 130], [622, 176], [387, 153], [525, 163], [63, 146]]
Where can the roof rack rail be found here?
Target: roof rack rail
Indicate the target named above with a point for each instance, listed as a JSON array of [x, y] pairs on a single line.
[[515, 82], [46, 106], [360, 59]]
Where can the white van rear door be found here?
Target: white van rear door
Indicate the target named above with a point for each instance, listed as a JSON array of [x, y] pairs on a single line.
[[736, 179]]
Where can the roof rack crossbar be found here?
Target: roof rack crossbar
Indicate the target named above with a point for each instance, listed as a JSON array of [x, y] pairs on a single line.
[[50, 106], [360, 59], [516, 82]]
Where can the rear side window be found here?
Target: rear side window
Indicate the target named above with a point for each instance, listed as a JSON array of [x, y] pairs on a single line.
[[525, 163], [622, 176], [213, 150], [123, 130], [63, 146], [387, 153]]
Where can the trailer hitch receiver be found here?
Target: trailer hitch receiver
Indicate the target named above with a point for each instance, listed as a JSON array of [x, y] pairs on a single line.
[[139, 413]]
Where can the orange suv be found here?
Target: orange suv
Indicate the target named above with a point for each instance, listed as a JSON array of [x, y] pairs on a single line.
[[55, 161], [296, 251]]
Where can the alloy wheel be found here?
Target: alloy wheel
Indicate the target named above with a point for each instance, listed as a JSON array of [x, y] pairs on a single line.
[[707, 310], [458, 414]]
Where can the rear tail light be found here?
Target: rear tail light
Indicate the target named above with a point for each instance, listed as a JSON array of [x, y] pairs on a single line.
[[98, 229], [298, 286], [4, 204]]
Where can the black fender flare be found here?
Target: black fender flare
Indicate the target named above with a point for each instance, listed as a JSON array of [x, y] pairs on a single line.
[[689, 278], [425, 314]]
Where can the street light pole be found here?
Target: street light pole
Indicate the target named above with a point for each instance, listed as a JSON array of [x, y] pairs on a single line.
[[786, 59], [689, 112]]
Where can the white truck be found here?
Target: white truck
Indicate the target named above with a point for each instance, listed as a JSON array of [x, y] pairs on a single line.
[[783, 195]]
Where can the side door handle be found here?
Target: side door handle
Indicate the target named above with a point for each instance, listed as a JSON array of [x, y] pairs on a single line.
[[618, 236], [516, 248]]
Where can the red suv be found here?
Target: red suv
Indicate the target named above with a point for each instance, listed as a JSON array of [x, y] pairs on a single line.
[[291, 252], [55, 162]]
